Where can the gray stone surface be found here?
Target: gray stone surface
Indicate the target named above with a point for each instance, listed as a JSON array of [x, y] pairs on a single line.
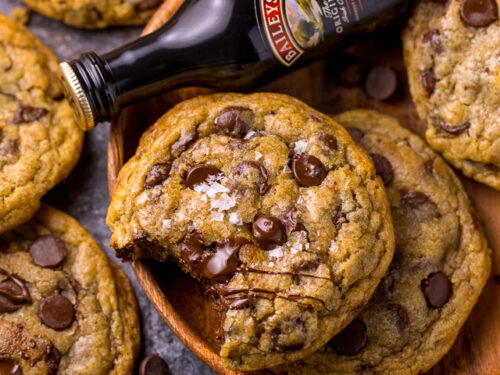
[[84, 193]]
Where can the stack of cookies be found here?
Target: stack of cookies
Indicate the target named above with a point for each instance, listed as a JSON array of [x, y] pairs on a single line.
[[64, 308], [329, 245]]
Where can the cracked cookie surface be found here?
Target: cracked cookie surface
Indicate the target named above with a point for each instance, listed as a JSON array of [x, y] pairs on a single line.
[[40, 141], [64, 308], [451, 55], [272, 206], [96, 14], [440, 265]]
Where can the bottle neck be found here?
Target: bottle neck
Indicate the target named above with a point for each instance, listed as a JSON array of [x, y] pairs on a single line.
[[229, 44]]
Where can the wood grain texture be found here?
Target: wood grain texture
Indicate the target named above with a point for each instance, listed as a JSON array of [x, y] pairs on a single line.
[[179, 299]]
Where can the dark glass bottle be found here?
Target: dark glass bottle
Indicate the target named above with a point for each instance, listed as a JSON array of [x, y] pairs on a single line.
[[224, 44]]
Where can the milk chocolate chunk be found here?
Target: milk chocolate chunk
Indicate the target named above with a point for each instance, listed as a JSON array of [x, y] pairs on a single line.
[[454, 129], [478, 13], [157, 174], [201, 174], [48, 251], [381, 82], [8, 367], [429, 81], [437, 289], [154, 365], [223, 264], [383, 168], [268, 231], [56, 311], [355, 133], [262, 185], [235, 121], [329, 141], [28, 114], [352, 339], [308, 170]]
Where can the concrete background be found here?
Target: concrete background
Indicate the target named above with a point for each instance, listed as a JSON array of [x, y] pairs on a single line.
[[84, 194]]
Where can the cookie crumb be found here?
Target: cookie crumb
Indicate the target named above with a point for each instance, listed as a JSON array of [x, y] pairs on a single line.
[[21, 15]]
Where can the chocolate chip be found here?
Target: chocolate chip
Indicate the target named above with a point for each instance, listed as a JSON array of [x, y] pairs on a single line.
[[479, 13], [8, 367], [352, 75], [186, 138], [416, 200], [454, 129], [223, 264], [235, 121], [329, 141], [383, 168], [399, 312], [147, 5], [292, 224], [352, 339], [28, 114], [200, 174], [339, 218], [496, 279], [9, 148], [56, 311], [434, 38], [308, 170], [157, 174], [268, 231], [154, 365], [3, 246], [15, 291], [52, 360], [348, 70], [355, 133], [192, 247], [262, 185], [429, 166], [437, 289], [386, 286], [429, 81], [48, 251], [381, 82], [306, 265]]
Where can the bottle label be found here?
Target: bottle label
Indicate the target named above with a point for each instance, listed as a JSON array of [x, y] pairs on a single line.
[[292, 26]]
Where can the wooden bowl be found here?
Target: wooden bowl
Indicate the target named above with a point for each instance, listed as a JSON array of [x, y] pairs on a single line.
[[179, 298]]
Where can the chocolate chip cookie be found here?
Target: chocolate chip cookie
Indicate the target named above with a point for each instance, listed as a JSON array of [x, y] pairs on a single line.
[[64, 309], [272, 206], [96, 14], [40, 141], [451, 54], [440, 265]]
